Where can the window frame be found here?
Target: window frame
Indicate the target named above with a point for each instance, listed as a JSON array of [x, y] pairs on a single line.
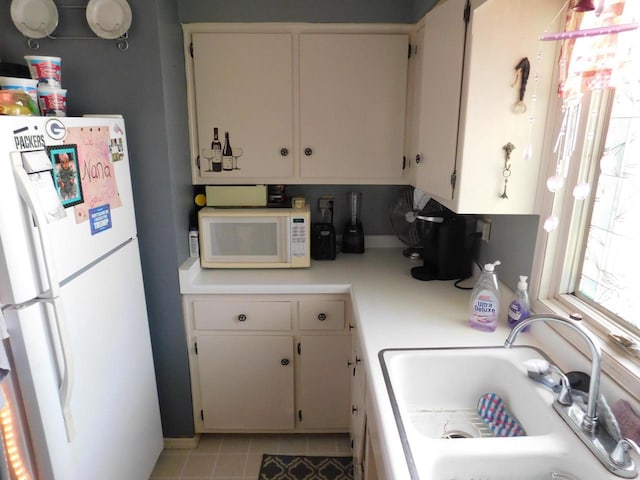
[[556, 264]]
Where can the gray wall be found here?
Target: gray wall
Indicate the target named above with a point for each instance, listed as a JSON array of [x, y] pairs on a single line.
[[376, 203], [146, 84], [512, 241], [325, 11]]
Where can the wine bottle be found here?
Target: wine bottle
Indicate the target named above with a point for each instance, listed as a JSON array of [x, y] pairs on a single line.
[[227, 154], [216, 146]]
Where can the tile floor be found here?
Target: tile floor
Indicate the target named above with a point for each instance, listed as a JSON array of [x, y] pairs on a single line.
[[237, 457]]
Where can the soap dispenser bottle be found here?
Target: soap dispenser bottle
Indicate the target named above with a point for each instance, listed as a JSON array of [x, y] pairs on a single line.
[[485, 300], [519, 308]]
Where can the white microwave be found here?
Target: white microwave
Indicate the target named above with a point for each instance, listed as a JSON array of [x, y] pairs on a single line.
[[254, 237]]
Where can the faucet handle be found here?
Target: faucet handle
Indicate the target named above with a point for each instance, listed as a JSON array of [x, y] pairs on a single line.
[[564, 396], [620, 454]]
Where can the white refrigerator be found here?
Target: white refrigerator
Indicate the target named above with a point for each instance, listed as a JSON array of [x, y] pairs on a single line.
[[72, 298]]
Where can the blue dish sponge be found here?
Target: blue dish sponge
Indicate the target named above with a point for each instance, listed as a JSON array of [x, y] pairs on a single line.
[[493, 411]]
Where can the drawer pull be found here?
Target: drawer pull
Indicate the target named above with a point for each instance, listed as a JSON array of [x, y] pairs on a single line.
[[284, 362], [322, 317], [242, 317]]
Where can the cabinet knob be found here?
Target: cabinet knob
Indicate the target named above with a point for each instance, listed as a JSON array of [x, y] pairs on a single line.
[[284, 152], [242, 317], [358, 360], [354, 409], [284, 362], [322, 317], [308, 151], [418, 159]]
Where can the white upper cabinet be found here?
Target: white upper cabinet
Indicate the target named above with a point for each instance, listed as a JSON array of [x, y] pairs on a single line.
[[352, 105], [244, 85], [303, 104], [466, 101]]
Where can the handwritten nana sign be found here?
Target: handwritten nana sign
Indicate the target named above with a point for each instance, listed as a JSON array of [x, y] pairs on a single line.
[[96, 170]]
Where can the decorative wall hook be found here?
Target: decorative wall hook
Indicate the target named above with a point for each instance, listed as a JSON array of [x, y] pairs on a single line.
[[506, 172]]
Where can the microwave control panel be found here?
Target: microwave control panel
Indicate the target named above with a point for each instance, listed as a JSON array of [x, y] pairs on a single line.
[[299, 227]]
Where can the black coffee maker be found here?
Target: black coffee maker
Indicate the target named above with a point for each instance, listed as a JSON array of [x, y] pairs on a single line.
[[448, 248], [323, 235]]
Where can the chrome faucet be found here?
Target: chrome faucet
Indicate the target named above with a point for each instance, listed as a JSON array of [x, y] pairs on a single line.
[[613, 454], [590, 421]]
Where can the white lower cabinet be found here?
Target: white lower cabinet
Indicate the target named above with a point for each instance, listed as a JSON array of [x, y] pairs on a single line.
[[358, 416], [365, 448], [324, 380], [370, 467], [246, 382], [269, 363]]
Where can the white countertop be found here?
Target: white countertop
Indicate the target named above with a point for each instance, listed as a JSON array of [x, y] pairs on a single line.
[[392, 310]]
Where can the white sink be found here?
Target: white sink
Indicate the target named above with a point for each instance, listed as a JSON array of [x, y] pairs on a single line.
[[444, 385], [434, 393], [507, 465]]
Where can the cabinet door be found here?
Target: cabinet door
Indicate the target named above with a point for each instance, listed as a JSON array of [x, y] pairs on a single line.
[[441, 77], [324, 382], [358, 416], [246, 382], [370, 467], [244, 86], [352, 105], [511, 27]]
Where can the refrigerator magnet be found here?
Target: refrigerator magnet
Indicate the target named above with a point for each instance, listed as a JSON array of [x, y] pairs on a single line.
[[64, 159], [100, 218]]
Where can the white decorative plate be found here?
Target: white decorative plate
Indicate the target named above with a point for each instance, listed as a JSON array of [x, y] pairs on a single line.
[[109, 19], [34, 18]]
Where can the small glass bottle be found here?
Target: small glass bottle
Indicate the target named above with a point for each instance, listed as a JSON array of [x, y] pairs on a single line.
[[216, 146], [227, 154]]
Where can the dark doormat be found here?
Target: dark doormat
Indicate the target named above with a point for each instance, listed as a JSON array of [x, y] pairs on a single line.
[[289, 467]]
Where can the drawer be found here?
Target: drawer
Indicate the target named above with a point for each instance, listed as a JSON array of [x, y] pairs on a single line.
[[321, 315], [211, 315]]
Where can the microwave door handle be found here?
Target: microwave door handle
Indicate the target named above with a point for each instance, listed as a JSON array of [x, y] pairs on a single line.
[[66, 382]]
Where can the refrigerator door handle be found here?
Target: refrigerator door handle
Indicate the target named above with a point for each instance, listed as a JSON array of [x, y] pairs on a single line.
[[66, 374]]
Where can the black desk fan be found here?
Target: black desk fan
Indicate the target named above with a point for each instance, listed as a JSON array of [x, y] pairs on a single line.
[[409, 214]]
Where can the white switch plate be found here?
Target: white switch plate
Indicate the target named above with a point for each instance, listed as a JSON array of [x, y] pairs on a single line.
[[483, 225]]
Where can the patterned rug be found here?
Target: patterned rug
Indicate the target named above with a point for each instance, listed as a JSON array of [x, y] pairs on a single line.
[[286, 467]]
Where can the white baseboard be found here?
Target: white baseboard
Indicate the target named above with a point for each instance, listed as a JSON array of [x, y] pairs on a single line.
[[182, 443]]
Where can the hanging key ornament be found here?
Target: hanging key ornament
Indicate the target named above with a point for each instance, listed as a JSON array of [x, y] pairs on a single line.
[[506, 173]]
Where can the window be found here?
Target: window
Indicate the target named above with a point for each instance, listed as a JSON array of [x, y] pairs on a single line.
[[609, 276], [588, 252]]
